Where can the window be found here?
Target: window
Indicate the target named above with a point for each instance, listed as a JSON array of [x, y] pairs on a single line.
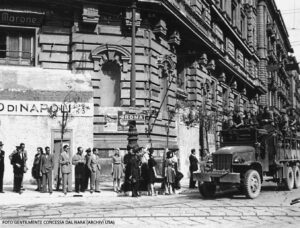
[[225, 97], [17, 46], [213, 86], [244, 26], [233, 13], [164, 85], [236, 102], [180, 81], [110, 84]]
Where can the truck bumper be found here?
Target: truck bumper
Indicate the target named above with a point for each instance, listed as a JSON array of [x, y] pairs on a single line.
[[221, 177]]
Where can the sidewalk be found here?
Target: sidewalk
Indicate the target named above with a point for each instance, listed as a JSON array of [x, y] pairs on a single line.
[[30, 196]]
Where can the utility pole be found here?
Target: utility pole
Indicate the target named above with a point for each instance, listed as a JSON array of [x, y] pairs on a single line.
[[132, 75]]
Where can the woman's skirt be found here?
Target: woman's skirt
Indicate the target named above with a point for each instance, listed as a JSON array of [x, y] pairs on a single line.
[[117, 171]]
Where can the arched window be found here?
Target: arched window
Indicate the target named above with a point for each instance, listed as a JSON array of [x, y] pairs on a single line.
[[111, 61], [110, 75]]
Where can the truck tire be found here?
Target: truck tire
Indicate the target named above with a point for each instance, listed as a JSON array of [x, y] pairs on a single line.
[[289, 180], [252, 184], [207, 190], [296, 171]]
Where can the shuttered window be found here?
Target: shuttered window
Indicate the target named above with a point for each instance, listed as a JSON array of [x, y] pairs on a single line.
[[17, 47]]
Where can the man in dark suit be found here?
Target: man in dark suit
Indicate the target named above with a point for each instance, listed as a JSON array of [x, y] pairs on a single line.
[[87, 172], [79, 162], [2, 153], [18, 161], [47, 165], [193, 167], [135, 172], [24, 154]]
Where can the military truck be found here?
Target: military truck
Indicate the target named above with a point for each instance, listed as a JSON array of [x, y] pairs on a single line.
[[246, 157]]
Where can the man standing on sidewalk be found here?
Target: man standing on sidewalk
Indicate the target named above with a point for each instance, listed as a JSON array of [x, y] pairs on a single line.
[[79, 162], [193, 167], [66, 168], [2, 153], [18, 161], [47, 165], [93, 167]]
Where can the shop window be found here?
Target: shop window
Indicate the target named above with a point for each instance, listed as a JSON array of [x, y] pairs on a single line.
[[17, 47], [110, 84]]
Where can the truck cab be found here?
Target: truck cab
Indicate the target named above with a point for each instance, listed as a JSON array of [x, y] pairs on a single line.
[[241, 162]]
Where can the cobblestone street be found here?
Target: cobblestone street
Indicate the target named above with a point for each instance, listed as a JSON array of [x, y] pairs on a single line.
[[271, 208]]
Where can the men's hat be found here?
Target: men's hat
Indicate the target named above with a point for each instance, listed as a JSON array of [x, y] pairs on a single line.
[[151, 150], [1, 144], [88, 150]]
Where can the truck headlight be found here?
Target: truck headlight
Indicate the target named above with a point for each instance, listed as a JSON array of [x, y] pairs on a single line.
[[238, 160]]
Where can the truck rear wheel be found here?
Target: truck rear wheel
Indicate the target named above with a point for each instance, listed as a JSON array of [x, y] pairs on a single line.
[[290, 180], [252, 184], [207, 190], [296, 171]]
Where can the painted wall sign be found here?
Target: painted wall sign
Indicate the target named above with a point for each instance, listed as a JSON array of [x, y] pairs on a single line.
[[111, 122], [41, 108], [18, 18], [124, 118]]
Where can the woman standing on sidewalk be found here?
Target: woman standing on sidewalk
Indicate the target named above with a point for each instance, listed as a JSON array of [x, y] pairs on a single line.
[[152, 172], [117, 170], [36, 168]]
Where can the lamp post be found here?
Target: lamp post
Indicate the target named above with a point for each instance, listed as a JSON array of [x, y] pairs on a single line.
[[132, 75]]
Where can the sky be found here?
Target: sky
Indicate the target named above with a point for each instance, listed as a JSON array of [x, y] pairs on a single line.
[[290, 10]]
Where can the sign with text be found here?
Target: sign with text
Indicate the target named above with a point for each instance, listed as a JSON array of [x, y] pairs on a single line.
[[20, 18], [124, 117], [42, 108]]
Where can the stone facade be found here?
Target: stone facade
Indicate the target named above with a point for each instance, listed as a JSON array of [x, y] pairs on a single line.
[[196, 62]]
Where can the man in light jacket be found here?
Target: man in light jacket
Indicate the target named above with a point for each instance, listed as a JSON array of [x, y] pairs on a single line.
[[47, 165], [66, 167], [94, 167]]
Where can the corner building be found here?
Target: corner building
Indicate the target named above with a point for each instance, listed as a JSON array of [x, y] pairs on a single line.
[[195, 62]]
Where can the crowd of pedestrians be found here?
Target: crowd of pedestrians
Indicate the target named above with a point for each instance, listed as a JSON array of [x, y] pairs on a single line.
[[137, 168]]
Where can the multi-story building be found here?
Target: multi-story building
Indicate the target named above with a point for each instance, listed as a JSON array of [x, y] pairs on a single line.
[[197, 58], [273, 49]]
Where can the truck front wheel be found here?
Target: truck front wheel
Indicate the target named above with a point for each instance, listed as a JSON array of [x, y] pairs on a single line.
[[207, 190], [252, 184]]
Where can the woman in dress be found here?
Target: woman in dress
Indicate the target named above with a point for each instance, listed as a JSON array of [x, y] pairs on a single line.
[[36, 168], [170, 173], [117, 170], [152, 172]]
